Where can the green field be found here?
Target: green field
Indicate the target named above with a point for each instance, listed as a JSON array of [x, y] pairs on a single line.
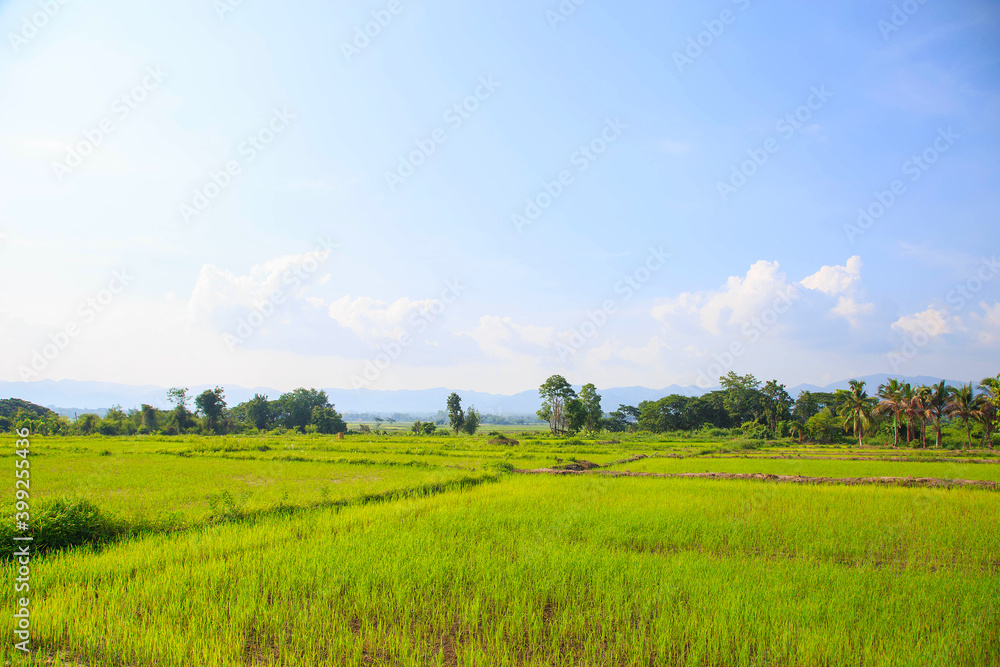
[[406, 550]]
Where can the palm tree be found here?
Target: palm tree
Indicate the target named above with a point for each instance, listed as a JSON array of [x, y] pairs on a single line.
[[891, 395], [963, 403], [797, 430], [990, 409], [986, 414], [856, 409], [937, 407], [906, 396], [921, 411]]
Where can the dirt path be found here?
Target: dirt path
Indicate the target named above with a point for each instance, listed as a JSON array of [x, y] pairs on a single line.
[[902, 459], [794, 479]]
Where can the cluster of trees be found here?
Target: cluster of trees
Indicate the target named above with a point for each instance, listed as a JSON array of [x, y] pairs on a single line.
[[920, 407], [762, 410], [460, 421], [16, 413], [742, 400], [566, 411], [302, 410]]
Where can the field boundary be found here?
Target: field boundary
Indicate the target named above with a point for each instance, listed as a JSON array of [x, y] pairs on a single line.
[[793, 479]]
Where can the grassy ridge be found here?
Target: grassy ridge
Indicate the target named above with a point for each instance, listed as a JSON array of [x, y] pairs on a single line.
[[816, 468], [541, 571]]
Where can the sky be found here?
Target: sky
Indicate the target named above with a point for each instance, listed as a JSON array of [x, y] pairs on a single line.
[[404, 195]]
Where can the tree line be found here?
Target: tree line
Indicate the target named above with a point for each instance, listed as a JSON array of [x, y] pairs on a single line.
[[766, 410], [743, 405], [301, 410]]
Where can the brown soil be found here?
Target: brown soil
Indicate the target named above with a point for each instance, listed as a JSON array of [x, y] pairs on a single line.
[[835, 458], [576, 466], [794, 479]]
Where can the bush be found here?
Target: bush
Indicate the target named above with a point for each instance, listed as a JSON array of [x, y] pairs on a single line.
[[64, 522]]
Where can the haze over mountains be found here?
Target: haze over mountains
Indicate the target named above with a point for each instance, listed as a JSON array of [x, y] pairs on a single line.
[[69, 397]]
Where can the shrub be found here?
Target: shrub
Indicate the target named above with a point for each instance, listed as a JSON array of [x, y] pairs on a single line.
[[63, 522]]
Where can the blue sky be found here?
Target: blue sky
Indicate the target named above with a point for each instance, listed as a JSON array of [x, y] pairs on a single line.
[[652, 265]]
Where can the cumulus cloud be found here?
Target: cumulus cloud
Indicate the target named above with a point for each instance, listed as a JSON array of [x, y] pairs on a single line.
[[986, 326], [851, 310], [834, 280], [503, 338], [932, 322], [372, 319], [289, 274], [737, 302]]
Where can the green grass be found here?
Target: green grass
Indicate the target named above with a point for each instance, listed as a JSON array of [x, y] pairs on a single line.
[[387, 550], [543, 571]]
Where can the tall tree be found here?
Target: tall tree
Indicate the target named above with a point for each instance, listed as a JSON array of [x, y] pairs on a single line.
[[576, 415], [906, 398], [211, 403], [592, 407], [472, 420], [555, 392], [921, 410], [777, 404], [963, 404], [258, 411], [148, 413], [742, 396], [327, 420], [937, 407], [182, 416], [891, 401], [455, 415], [296, 406], [856, 409], [990, 410]]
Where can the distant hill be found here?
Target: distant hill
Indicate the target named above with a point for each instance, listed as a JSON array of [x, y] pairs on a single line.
[[10, 406], [414, 401]]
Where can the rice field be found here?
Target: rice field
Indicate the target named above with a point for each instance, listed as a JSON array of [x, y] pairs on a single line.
[[429, 551]]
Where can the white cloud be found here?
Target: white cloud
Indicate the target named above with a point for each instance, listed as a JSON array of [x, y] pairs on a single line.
[[851, 310], [736, 302], [987, 325], [834, 280], [371, 319], [932, 322], [501, 337], [289, 274]]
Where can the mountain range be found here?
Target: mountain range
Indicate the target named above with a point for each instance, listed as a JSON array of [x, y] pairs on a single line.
[[71, 397]]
